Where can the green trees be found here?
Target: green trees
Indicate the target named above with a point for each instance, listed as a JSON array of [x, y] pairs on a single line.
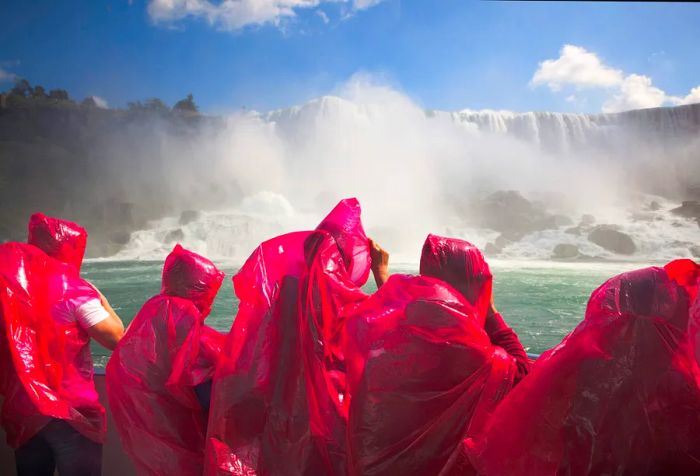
[[149, 105], [22, 88], [59, 95], [23, 95], [38, 92], [186, 105]]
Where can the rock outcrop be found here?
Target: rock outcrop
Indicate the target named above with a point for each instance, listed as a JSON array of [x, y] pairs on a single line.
[[612, 240]]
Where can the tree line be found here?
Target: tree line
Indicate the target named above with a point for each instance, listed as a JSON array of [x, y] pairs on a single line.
[[23, 94]]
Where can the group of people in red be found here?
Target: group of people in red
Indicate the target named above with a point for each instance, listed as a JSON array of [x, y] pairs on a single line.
[[317, 377]]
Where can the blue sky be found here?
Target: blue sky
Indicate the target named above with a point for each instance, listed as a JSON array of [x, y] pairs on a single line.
[[447, 54]]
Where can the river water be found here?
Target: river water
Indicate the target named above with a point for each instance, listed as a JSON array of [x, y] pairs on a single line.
[[542, 301]]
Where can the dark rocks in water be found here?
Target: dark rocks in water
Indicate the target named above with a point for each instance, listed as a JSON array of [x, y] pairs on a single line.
[[497, 246], [174, 236], [565, 251], [695, 251], [606, 236], [513, 215], [688, 209], [120, 237], [587, 220], [188, 216]]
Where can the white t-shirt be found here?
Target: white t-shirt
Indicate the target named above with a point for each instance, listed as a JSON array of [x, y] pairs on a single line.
[[86, 312]]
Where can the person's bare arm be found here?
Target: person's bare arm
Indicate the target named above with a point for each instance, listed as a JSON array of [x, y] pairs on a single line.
[[109, 331], [380, 263]]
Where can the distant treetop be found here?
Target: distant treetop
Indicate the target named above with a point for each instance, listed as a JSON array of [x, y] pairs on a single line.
[[186, 105]]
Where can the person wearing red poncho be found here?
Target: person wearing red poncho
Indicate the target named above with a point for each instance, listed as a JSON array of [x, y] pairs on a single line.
[[50, 409], [462, 265], [160, 369], [423, 373], [619, 395], [277, 400]]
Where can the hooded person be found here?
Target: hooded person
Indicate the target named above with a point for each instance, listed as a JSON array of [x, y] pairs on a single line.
[[48, 314], [619, 395], [423, 374], [462, 265], [155, 374], [277, 402]]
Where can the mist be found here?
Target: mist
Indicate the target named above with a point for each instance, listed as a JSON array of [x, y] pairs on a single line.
[[251, 175]]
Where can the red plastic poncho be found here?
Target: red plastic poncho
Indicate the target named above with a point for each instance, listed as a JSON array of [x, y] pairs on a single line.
[[167, 351], [423, 376], [276, 403], [461, 265], [60, 239], [619, 395], [46, 365]]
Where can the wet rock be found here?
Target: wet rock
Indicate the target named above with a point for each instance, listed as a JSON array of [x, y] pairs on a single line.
[[695, 251], [188, 216], [502, 241], [688, 209], [587, 220], [514, 216], [174, 236], [120, 237], [565, 251], [606, 236], [654, 206], [497, 245]]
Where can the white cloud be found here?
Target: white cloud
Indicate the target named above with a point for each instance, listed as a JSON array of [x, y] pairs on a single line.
[[237, 14], [6, 76], [365, 4], [323, 16], [636, 92], [691, 98], [577, 67], [581, 69]]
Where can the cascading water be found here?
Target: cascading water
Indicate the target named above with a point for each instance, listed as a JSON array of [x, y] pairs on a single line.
[[418, 171]]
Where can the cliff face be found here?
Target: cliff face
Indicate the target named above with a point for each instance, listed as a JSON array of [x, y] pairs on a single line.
[[90, 165]]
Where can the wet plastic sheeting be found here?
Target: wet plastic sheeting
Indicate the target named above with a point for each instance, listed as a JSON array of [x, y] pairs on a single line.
[[45, 366], [279, 386], [151, 376], [461, 265], [423, 376], [619, 395]]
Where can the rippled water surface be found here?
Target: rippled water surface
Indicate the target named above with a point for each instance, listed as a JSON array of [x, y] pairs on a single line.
[[541, 302]]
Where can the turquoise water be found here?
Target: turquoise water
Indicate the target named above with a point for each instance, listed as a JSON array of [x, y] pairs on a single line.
[[541, 302]]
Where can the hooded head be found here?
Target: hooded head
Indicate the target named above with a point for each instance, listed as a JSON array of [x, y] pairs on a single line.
[[643, 293], [461, 265], [60, 239], [191, 276], [345, 226], [686, 273]]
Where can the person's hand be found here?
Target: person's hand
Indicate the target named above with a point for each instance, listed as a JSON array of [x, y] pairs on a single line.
[[380, 262]]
